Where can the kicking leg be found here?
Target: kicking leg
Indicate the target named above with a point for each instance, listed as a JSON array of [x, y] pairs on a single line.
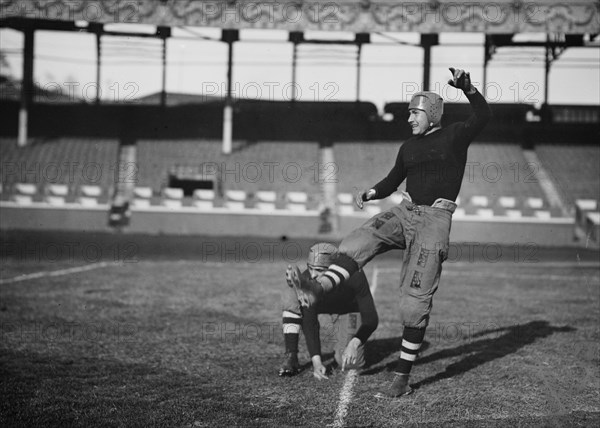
[[381, 233]]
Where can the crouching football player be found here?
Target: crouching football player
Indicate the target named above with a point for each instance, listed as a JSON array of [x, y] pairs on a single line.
[[351, 329]]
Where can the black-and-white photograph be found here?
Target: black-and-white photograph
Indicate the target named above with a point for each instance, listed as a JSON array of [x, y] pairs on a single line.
[[299, 213]]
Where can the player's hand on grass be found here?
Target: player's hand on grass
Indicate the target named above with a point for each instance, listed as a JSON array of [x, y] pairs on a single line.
[[461, 79], [319, 370], [350, 355], [363, 196]]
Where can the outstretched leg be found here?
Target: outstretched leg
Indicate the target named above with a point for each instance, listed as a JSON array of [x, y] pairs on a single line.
[[379, 234]]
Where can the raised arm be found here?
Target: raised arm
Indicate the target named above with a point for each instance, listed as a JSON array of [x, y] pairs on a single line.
[[469, 129]]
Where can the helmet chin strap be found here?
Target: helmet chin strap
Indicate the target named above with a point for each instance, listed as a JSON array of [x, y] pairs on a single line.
[[431, 128]]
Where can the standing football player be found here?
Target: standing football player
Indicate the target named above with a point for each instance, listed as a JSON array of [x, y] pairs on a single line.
[[433, 163], [354, 296]]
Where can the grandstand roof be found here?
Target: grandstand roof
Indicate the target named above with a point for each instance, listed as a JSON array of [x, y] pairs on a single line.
[[424, 16]]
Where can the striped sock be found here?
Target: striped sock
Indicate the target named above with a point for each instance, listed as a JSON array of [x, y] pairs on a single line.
[[291, 330], [343, 268], [412, 338]]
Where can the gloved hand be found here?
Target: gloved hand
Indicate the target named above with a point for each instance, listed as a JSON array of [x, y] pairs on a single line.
[[461, 79], [363, 196]]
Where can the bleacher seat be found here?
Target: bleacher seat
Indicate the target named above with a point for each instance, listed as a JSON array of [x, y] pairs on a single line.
[[587, 204], [514, 213], [485, 212], [296, 207], [265, 200], [62, 161], [236, 195], [593, 227], [142, 197], [266, 196], [235, 199], [479, 201], [479, 180], [57, 189], [56, 194], [345, 198], [582, 207], [28, 189], [24, 193], [345, 203], [296, 197], [142, 192], [237, 171], [265, 206], [141, 203], [174, 193], [459, 212], [54, 201], [204, 199], [573, 169], [542, 214], [296, 201], [535, 203], [86, 201], [89, 195], [172, 197], [204, 194], [22, 199], [171, 203], [91, 191], [507, 201]]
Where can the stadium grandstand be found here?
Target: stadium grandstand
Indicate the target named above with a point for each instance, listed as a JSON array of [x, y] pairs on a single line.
[[229, 154]]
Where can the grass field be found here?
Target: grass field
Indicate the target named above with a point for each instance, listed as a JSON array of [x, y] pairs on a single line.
[[188, 344]]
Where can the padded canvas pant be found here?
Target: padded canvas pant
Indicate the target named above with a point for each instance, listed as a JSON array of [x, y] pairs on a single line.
[[423, 232]]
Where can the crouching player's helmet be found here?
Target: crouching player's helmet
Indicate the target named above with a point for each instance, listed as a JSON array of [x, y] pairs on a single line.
[[321, 255], [431, 103]]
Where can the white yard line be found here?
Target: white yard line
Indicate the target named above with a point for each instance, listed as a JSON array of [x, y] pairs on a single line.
[[345, 397], [346, 392], [60, 272]]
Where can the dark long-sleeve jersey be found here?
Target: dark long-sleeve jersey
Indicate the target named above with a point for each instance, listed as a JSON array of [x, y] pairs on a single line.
[[434, 164], [353, 295]]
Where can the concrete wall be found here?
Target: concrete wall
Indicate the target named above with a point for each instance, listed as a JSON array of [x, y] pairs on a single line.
[[284, 225]]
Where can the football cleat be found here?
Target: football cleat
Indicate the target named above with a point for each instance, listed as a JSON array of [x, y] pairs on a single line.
[[308, 290], [290, 366], [398, 388]]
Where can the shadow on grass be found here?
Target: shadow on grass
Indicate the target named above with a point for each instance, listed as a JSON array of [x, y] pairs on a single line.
[[505, 341], [509, 340]]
